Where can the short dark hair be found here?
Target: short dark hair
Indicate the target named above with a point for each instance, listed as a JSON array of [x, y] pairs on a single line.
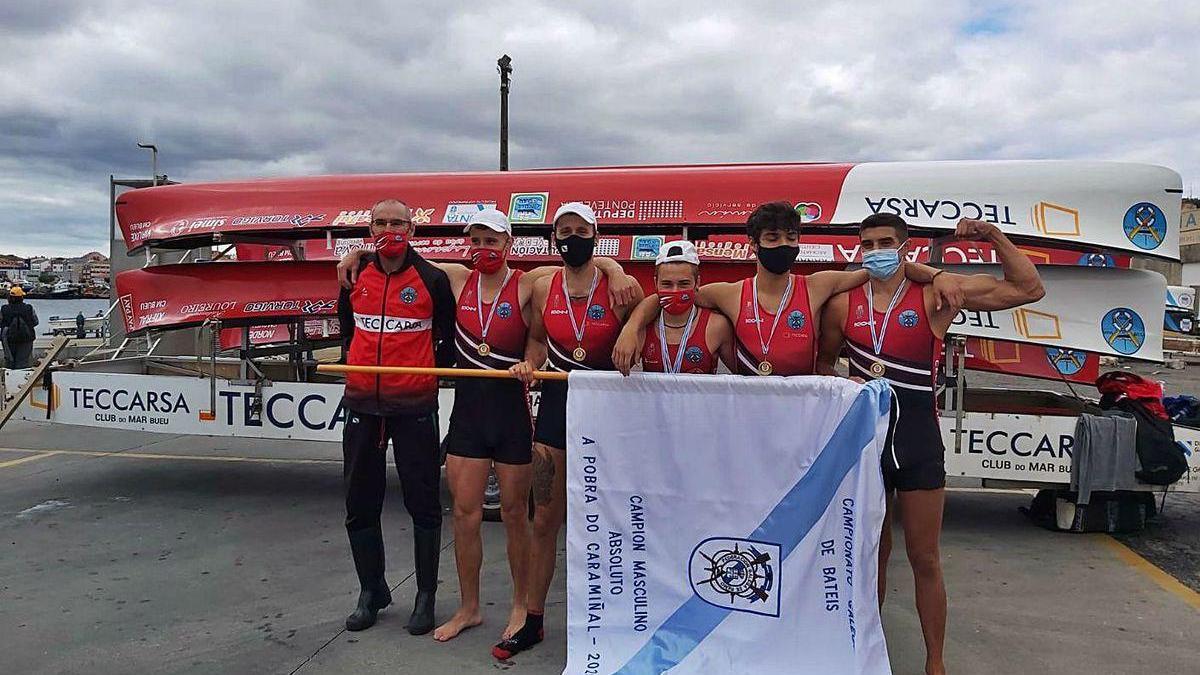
[[772, 216], [885, 220]]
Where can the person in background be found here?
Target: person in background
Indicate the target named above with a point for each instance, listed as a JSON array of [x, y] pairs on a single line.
[[17, 323], [79, 323]]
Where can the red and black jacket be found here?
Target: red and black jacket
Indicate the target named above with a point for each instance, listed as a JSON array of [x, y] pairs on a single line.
[[405, 318]]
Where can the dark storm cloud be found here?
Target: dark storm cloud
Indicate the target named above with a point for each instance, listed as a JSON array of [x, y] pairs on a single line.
[[234, 89]]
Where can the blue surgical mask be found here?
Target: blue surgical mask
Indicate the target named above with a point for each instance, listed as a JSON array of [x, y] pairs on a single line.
[[881, 263]]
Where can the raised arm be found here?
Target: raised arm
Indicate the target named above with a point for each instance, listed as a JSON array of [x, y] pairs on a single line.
[[1021, 283]]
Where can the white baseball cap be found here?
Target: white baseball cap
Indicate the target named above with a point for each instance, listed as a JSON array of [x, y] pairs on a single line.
[[677, 251], [578, 208], [493, 219]]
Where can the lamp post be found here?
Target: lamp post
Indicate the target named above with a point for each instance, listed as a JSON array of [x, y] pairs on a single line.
[[504, 67], [153, 160]]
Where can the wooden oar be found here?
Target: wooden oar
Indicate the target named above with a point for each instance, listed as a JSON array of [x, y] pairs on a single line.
[[439, 372]]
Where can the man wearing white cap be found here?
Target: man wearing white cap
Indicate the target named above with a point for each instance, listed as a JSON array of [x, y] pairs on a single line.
[[686, 338], [490, 424], [574, 327]]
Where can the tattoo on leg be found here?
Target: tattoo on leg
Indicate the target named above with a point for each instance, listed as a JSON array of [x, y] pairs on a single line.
[[543, 477]]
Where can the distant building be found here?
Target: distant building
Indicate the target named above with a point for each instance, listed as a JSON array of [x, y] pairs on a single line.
[[1189, 241], [96, 273], [13, 269]]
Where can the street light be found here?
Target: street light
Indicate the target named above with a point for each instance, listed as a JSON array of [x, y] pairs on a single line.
[[504, 67], [153, 160]]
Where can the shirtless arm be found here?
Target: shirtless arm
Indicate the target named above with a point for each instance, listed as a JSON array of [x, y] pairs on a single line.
[[831, 337], [824, 285], [623, 290], [535, 339], [719, 337], [348, 267], [1021, 283], [634, 296], [457, 274]]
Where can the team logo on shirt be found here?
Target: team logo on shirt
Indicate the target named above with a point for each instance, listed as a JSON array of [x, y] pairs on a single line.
[[737, 574], [1123, 330], [595, 312], [408, 295], [504, 310], [796, 320], [693, 354], [908, 318]]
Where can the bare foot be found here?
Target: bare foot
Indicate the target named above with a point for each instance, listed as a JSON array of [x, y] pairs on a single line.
[[462, 620], [516, 619], [935, 668]]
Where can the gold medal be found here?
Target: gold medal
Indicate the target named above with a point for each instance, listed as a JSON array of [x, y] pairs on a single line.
[[765, 368], [877, 369], [483, 349], [579, 354]]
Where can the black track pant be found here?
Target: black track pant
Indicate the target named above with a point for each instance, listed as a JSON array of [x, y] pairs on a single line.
[[416, 453]]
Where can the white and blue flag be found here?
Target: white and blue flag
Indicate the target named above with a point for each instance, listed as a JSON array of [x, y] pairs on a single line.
[[724, 524]]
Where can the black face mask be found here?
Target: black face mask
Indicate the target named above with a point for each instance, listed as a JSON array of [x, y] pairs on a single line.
[[576, 251], [778, 259]]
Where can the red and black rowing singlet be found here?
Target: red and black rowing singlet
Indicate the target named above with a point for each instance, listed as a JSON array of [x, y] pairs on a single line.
[[792, 351], [696, 356], [504, 345], [909, 353], [599, 332]]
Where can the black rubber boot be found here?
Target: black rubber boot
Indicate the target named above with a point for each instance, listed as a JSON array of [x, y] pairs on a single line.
[[428, 544], [367, 547]]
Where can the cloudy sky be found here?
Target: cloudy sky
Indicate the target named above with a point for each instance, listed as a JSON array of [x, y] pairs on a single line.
[[239, 89]]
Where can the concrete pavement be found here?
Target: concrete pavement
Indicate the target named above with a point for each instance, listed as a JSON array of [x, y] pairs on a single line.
[[130, 552]]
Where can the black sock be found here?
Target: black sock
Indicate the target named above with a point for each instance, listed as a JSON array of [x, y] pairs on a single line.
[[533, 623], [529, 635]]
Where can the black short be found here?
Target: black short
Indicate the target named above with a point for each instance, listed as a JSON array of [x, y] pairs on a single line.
[[916, 458], [551, 426], [490, 420]]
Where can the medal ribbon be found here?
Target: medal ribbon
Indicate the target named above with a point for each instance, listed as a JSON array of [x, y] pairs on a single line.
[[674, 366], [783, 302], [579, 328], [877, 342], [484, 326]]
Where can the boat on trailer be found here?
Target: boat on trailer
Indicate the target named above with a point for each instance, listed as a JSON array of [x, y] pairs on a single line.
[[264, 305]]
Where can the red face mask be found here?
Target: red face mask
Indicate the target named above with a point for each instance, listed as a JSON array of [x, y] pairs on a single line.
[[486, 260], [678, 301], [391, 244]]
